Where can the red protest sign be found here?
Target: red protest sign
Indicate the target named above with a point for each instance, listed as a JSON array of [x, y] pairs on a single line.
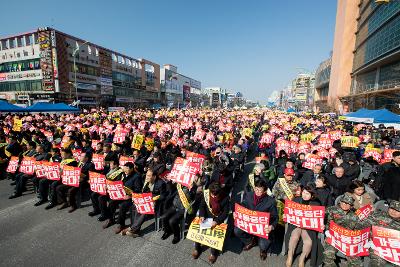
[[123, 160], [119, 136], [52, 170], [195, 158], [386, 244], [250, 221], [97, 183], [350, 242], [184, 172], [387, 155], [77, 154], [364, 211], [304, 216], [12, 165], [98, 161], [267, 138], [144, 203], [116, 190], [40, 171], [311, 160], [70, 176], [325, 143], [27, 165]]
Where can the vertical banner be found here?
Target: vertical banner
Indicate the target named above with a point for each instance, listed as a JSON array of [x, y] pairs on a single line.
[[27, 165], [17, 126], [250, 221], [149, 144], [213, 238], [137, 141], [116, 190], [350, 242], [98, 161], [97, 183], [13, 165], [70, 176], [386, 244], [305, 216], [144, 203], [52, 170]]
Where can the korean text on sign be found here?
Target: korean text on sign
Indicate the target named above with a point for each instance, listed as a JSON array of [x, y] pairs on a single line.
[[350, 242], [144, 203], [116, 190], [213, 238], [252, 222], [386, 244], [13, 165], [97, 183], [71, 175], [304, 216]]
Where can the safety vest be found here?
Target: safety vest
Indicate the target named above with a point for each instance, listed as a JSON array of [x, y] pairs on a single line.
[[184, 199]]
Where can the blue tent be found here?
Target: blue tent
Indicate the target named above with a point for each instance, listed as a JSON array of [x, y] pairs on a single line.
[[7, 107], [290, 110], [48, 107], [359, 113], [373, 116]]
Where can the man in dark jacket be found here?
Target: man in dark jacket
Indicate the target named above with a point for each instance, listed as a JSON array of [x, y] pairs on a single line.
[[311, 175], [391, 179], [338, 182], [259, 201]]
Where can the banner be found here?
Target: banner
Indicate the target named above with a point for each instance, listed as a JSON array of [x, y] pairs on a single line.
[[137, 141], [195, 158], [280, 206], [144, 203], [98, 161], [350, 141], [116, 190], [387, 155], [311, 160], [304, 216], [70, 176], [119, 136], [149, 144], [123, 160], [40, 170], [213, 238], [12, 165], [94, 144], [386, 244], [252, 222], [77, 153], [27, 165], [17, 125], [97, 183], [52, 170], [307, 137], [184, 171], [350, 242], [375, 153], [364, 212], [325, 143]]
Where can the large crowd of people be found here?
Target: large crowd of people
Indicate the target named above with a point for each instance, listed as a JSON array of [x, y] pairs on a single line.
[[310, 159]]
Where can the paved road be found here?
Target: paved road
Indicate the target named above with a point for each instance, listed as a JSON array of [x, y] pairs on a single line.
[[33, 236]]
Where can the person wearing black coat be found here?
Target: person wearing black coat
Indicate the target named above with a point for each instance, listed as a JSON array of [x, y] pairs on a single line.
[[338, 182], [323, 192], [259, 201], [311, 245], [391, 179], [157, 187], [311, 175], [216, 207], [223, 171]]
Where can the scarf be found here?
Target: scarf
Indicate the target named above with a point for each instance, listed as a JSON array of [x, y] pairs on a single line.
[[257, 199], [214, 204]]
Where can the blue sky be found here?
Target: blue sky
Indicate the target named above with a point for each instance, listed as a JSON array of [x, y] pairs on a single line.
[[253, 46]]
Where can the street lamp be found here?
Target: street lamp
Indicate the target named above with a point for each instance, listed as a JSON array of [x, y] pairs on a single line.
[[75, 84]]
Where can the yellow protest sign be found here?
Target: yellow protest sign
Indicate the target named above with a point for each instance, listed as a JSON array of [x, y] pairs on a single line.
[[117, 120], [137, 141], [149, 144], [281, 209], [213, 238], [248, 131], [17, 125], [307, 137], [350, 141]]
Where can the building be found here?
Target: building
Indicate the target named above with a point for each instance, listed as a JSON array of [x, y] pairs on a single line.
[[322, 78], [178, 90], [303, 91], [38, 66], [375, 78], [217, 97]]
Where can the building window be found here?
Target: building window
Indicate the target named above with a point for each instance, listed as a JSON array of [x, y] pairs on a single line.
[[97, 52], [4, 44], [89, 50], [114, 57], [12, 43]]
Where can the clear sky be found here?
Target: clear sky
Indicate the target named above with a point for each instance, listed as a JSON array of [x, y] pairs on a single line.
[[252, 46]]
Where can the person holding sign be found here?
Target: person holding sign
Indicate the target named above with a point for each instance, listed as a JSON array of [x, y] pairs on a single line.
[[214, 205], [294, 235], [343, 215], [259, 201], [286, 188], [390, 220], [154, 185]]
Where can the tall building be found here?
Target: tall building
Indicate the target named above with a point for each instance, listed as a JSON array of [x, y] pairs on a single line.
[[376, 65], [303, 90], [178, 90], [38, 66], [217, 96], [322, 78]]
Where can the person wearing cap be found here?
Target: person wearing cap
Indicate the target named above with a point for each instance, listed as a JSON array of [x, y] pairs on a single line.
[[259, 200], [64, 191], [292, 187], [344, 216], [67, 160], [387, 219]]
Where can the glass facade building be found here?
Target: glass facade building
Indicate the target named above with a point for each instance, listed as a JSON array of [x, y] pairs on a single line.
[[376, 65]]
